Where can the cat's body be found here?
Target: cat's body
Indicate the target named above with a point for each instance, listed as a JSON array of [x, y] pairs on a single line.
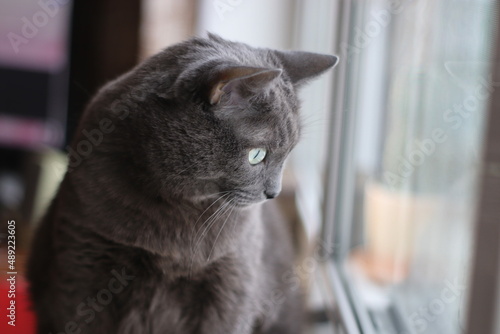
[[159, 225]]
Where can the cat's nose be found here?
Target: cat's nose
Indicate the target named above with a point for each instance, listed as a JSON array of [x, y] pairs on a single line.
[[271, 194]]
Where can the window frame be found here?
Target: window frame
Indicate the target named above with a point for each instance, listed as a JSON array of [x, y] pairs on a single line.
[[484, 286], [483, 303], [353, 318]]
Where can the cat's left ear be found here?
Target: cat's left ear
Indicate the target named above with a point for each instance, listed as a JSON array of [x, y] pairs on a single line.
[[236, 83], [302, 66]]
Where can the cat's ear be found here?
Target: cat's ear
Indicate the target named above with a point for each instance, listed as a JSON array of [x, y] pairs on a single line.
[[240, 82], [302, 66]]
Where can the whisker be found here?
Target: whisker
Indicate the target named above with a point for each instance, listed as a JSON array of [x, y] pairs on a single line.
[[218, 234], [193, 229], [188, 167], [227, 193], [213, 219]]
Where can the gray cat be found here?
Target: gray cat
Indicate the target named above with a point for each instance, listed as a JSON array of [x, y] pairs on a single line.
[[162, 224]]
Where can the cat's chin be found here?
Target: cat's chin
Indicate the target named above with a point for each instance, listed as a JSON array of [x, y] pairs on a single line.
[[247, 203], [234, 201]]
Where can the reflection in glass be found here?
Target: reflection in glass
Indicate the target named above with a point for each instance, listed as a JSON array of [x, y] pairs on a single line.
[[418, 88]]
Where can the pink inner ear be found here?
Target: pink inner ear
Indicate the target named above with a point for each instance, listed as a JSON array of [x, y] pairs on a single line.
[[216, 93], [242, 82], [224, 88]]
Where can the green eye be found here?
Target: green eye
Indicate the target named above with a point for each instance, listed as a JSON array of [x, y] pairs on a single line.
[[256, 155]]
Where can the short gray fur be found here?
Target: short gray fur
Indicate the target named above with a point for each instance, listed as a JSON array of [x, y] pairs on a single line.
[[161, 224]]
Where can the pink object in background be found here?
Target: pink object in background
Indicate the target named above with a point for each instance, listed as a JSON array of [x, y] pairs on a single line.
[[34, 34], [21, 132]]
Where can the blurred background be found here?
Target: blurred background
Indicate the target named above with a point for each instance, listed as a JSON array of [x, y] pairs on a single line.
[[391, 193]]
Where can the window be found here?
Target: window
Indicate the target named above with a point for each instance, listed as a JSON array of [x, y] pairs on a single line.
[[412, 98]]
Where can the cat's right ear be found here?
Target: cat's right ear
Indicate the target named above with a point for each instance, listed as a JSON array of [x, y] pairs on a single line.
[[234, 84], [302, 66]]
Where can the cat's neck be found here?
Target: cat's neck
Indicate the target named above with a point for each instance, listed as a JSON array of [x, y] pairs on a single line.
[[187, 234]]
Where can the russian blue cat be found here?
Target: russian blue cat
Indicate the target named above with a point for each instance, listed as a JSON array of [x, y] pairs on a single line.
[[163, 223]]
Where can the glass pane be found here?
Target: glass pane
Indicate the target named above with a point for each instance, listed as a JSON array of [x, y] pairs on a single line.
[[418, 85]]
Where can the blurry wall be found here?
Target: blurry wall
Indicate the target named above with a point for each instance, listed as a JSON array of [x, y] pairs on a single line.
[[105, 44], [263, 23], [165, 22]]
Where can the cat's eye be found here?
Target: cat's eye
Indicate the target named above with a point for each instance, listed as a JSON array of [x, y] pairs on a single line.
[[256, 155]]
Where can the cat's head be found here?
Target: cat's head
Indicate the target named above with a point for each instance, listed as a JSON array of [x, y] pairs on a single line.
[[229, 120]]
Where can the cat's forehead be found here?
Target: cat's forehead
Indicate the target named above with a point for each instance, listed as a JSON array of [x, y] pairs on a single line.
[[277, 128], [279, 125]]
